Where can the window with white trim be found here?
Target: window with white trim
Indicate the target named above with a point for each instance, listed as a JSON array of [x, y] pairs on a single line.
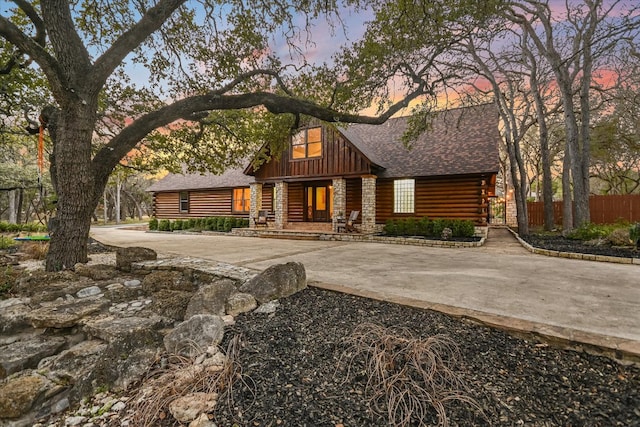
[[404, 195], [184, 201]]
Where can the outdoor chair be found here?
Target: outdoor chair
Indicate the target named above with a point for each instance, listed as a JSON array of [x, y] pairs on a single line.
[[349, 226], [262, 219]]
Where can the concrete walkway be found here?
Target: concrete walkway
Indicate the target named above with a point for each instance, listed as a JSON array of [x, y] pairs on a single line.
[[587, 304]]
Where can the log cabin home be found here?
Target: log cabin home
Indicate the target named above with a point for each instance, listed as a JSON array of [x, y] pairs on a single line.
[[329, 171]]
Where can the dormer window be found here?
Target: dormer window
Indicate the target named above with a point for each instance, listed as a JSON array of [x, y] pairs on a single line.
[[307, 143]]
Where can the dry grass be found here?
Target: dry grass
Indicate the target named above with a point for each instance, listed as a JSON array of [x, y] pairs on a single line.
[[35, 250], [407, 377], [178, 377]]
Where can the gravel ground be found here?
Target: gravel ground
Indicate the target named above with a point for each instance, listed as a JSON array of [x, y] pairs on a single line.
[[559, 243], [296, 373]]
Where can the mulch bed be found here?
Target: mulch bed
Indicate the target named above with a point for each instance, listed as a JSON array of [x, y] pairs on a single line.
[[295, 373], [559, 243]]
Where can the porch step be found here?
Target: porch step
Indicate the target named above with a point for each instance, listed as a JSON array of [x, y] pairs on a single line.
[[321, 227]]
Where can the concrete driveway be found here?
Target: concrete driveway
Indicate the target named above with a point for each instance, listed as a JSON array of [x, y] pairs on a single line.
[[593, 303]]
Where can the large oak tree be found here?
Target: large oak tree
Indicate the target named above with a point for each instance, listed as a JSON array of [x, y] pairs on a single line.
[[202, 59]]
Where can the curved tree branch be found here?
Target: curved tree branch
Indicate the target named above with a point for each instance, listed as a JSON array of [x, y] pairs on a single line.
[[127, 42], [106, 159]]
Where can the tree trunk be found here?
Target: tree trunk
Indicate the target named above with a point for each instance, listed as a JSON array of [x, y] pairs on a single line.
[[104, 210], [12, 207], [75, 186], [567, 202], [118, 204], [19, 207]]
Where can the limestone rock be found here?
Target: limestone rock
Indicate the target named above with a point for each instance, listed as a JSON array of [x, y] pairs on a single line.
[[240, 303], [173, 280], [188, 408], [212, 298], [18, 395], [66, 314], [193, 336], [268, 307], [13, 315], [95, 271], [91, 291], [27, 353], [127, 256], [276, 282], [202, 421], [136, 329], [171, 304]]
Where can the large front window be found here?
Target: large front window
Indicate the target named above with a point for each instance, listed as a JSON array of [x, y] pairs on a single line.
[[307, 143], [404, 195], [241, 199]]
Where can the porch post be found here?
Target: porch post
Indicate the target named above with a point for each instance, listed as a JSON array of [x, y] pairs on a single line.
[[339, 201], [368, 204], [256, 202], [282, 202]]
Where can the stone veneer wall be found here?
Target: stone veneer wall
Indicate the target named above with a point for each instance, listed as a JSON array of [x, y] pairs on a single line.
[[282, 205], [339, 201], [256, 203], [368, 204], [511, 212]]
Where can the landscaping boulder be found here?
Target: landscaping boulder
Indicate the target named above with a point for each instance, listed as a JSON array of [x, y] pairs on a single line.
[[212, 298], [276, 282], [188, 408], [195, 335], [163, 279], [65, 314], [13, 315], [19, 394], [27, 353], [171, 304], [240, 303], [96, 271], [127, 256]]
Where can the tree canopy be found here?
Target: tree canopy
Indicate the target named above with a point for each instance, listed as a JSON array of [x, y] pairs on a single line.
[[206, 72]]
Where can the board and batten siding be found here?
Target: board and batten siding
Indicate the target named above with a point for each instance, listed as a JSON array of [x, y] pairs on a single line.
[[438, 198], [339, 158]]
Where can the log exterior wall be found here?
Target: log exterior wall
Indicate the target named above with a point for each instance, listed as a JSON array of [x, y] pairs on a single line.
[[339, 158], [296, 202], [448, 198], [204, 203]]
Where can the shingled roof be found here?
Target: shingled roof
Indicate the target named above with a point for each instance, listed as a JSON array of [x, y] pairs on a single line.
[[195, 181], [461, 141]]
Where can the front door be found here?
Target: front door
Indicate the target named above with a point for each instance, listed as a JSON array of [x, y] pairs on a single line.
[[319, 198]]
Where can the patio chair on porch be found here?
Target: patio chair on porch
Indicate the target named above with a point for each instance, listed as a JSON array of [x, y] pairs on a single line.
[[261, 219], [349, 226]]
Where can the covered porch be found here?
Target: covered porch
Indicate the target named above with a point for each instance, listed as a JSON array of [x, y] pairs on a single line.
[[315, 205]]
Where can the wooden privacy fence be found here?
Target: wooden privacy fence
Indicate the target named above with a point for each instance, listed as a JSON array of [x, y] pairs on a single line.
[[604, 210]]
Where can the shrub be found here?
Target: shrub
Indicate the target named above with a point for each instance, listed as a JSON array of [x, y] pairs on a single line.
[[189, 224], [177, 225], [220, 224], [634, 234], [227, 224], [591, 231], [438, 226], [211, 223], [164, 225], [425, 227], [245, 223], [410, 227], [3, 226], [6, 242], [462, 228], [14, 228], [153, 224], [390, 228]]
